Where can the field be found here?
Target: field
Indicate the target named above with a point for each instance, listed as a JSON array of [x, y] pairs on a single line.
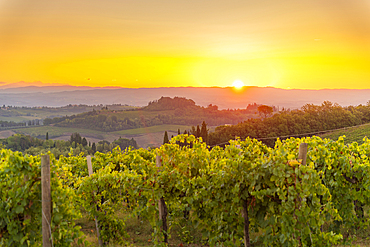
[[353, 134], [20, 114], [145, 137], [18, 118]]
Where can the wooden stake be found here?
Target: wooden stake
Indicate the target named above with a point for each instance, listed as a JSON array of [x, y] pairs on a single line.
[[158, 161], [89, 165], [247, 242], [303, 153], [89, 168], [162, 208], [46, 201]]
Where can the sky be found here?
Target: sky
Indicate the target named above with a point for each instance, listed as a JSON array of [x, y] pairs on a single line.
[[304, 44]]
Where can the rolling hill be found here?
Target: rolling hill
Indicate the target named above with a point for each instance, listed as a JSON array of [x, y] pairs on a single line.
[[352, 134], [225, 98]]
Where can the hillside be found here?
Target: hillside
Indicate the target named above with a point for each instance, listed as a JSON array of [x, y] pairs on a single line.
[[166, 110], [145, 137], [25, 114], [352, 134], [297, 123]]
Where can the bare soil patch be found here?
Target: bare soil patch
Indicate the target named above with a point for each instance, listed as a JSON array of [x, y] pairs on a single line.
[[6, 133]]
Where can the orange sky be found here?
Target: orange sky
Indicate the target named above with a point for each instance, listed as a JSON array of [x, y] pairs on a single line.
[[307, 44]]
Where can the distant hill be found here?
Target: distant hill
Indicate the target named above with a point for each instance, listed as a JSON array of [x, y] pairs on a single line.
[[224, 98], [167, 103], [25, 114], [166, 110], [34, 87]]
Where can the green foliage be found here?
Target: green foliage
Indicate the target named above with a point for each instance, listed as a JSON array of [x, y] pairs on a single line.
[[20, 203], [167, 103], [101, 196], [310, 118], [9, 124], [34, 146], [204, 189], [265, 110], [19, 142], [352, 134], [76, 138], [204, 132], [124, 143]]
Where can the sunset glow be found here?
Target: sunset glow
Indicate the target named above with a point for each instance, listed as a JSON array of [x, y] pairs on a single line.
[[286, 44], [238, 84]]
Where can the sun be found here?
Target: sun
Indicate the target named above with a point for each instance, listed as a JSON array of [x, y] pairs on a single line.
[[238, 84]]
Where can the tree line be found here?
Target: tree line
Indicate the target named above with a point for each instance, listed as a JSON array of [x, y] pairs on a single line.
[[10, 124], [76, 145], [195, 131], [310, 118]]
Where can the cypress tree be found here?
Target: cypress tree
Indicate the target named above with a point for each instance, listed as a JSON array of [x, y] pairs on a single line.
[[47, 136], [204, 132], [198, 132], [165, 138], [84, 142]]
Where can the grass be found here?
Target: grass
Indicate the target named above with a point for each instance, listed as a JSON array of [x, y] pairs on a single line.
[[55, 131], [142, 113], [63, 111], [18, 119], [353, 134], [139, 231], [153, 129], [42, 113], [140, 234]]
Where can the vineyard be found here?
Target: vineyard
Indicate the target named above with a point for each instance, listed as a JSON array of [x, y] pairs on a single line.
[[243, 194]]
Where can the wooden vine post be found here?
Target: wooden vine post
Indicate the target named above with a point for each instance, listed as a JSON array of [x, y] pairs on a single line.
[[247, 242], [46, 201], [89, 168], [162, 208], [302, 154]]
